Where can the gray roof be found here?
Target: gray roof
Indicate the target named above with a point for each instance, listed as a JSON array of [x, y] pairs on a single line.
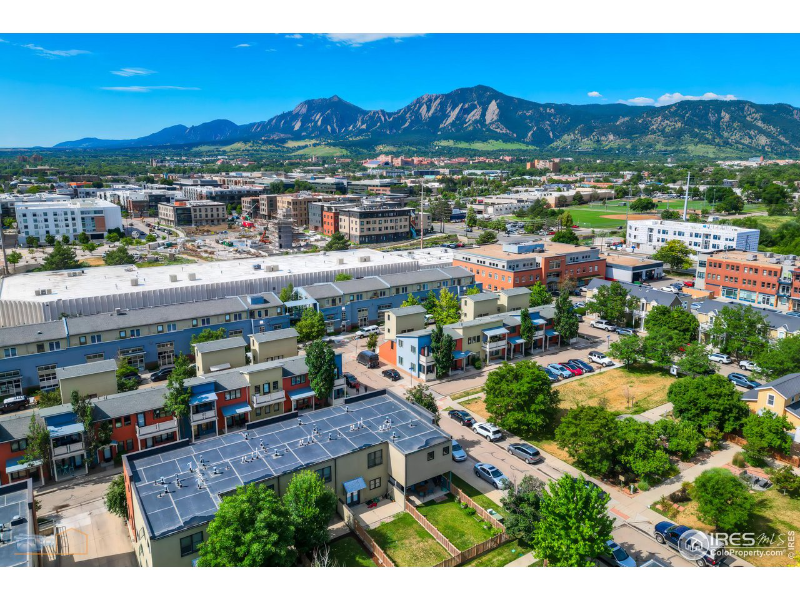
[[128, 403], [520, 291], [270, 299], [29, 334], [481, 296], [365, 284], [277, 334], [14, 427], [787, 386], [773, 318], [425, 276], [321, 290], [415, 334], [101, 366], [645, 293], [403, 311], [267, 449], [223, 344]]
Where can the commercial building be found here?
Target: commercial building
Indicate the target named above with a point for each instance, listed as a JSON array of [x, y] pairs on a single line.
[[371, 445], [231, 196], [329, 185], [632, 269], [648, 236], [522, 264], [781, 396], [363, 225], [66, 218], [192, 213], [9, 201]]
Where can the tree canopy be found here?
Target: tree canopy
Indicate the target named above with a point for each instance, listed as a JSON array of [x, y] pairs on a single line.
[[311, 505], [520, 399], [740, 331], [119, 256], [723, 500], [539, 295], [675, 253], [711, 401], [62, 257], [565, 320], [321, 362], [176, 398], [337, 242], [208, 335], [675, 319], [311, 325], [611, 302], [780, 358], [565, 236]]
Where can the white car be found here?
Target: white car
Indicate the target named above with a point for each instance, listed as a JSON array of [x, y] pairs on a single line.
[[720, 358], [489, 431], [600, 359], [602, 324], [669, 289], [749, 365]]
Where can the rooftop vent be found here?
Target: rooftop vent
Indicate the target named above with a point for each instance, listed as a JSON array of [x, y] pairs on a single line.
[[192, 276]]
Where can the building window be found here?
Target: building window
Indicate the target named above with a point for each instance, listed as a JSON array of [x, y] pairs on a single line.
[[233, 394], [159, 329], [430, 455], [374, 459], [90, 358], [325, 474], [19, 445], [206, 321], [445, 450], [190, 544], [55, 346], [82, 340], [770, 400], [172, 327], [97, 338], [374, 484], [9, 352]]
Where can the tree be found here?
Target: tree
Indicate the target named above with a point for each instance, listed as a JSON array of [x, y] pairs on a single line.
[[343, 277], [682, 438], [62, 257], [675, 253], [32, 241], [127, 376], [640, 451], [611, 302], [442, 346], [487, 237], [588, 434], [420, 394], [13, 258], [520, 399], [113, 237], [565, 320], [90, 247], [780, 358], [526, 328], [287, 293], [522, 502], [661, 346], [150, 238], [565, 236], [472, 291], [723, 500], [448, 309], [675, 319], [574, 525], [321, 363], [311, 325], [430, 303], [539, 295], [48, 398], [472, 218], [119, 256], [766, 433], [670, 215], [785, 480], [116, 499], [38, 442], [708, 402], [176, 398], [50, 239], [372, 341], [740, 330], [628, 349], [695, 361], [311, 505], [410, 301], [641, 205], [65, 239], [337, 242], [251, 528], [208, 335]]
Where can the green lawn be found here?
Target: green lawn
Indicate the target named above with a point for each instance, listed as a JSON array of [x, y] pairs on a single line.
[[348, 552], [407, 543], [455, 523], [478, 497], [499, 557]]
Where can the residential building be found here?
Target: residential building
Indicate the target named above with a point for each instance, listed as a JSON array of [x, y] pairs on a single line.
[[66, 218], [781, 396], [220, 355], [649, 235], [781, 325], [90, 380], [295, 207], [193, 213], [273, 345], [632, 269], [9, 201], [323, 215], [231, 196], [18, 518], [363, 225], [647, 298]]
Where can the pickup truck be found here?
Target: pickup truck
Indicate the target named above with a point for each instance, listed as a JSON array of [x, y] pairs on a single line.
[[602, 324], [694, 545]]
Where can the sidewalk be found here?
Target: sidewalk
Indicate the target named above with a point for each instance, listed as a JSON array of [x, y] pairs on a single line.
[[526, 560]]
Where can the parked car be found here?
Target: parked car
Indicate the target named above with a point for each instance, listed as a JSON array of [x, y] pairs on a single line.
[[600, 359], [668, 288], [562, 371], [351, 381], [391, 374], [366, 331], [463, 417], [591, 484], [491, 474], [583, 366], [749, 365], [626, 331], [457, 452], [680, 537], [489, 431], [552, 375], [133, 377], [526, 452], [617, 555], [369, 359], [580, 304], [602, 324], [720, 358], [14, 404], [688, 283], [678, 285], [162, 374], [743, 381], [468, 230], [695, 305], [583, 289], [572, 368]]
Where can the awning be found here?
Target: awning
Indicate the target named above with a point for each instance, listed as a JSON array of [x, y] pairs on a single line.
[[495, 331], [235, 409], [354, 485], [459, 354], [551, 333], [301, 393], [202, 398], [13, 465], [65, 430], [516, 340], [539, 322]]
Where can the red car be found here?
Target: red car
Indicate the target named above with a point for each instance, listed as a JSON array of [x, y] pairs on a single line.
[[576, 226], [571, 369], [688, 283]]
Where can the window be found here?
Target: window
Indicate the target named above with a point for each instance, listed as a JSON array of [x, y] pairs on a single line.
[[82, 340], [9, 352], [194, 322], [445, 450], [90, 358], [55, 346], [325, 474], [771, 400], [374, 459], [123, 334], [233, 394], [19, 445], [97, 338], [374, 484], [206, 321], [430, 455], [172, 327], [191, 543], [136, 333], [159, 329]]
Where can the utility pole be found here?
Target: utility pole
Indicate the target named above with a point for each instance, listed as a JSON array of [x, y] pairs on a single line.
[[421, 215], [3, 248], [686, 197]]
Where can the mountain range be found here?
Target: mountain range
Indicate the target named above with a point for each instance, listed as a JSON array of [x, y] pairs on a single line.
[[481, 114]]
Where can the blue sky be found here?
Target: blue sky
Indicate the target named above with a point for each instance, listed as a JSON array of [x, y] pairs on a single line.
[[63, 87]]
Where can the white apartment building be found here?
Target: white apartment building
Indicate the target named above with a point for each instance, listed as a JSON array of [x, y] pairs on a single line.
[[68, 217], [648, 236]]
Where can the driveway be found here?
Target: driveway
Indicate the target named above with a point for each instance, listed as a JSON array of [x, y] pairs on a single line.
[[642, 546]]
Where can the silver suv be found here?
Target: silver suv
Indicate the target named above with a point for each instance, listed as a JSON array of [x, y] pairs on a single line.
[[489, 431]]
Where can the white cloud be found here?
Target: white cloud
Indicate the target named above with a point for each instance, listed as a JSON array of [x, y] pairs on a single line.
[[143, 89], [294, 36], [638, 101], [242, 46], [674, 97], [357, 39], [54, 53], [594, 95], [132, 72]]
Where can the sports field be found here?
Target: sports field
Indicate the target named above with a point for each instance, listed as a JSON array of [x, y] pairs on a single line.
[[612, 215]]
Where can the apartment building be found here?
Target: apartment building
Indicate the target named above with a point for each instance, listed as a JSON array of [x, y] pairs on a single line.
[[90, 380], [648, 236], [193, 213], [363, 225], [66, 218], [273, 345], [9, 201], [220, 355], [142, 203], [763, 279], [323, 215], [522, 264], [231, 196], [781, 396], [780, 325], [296, 207], [371, 445]]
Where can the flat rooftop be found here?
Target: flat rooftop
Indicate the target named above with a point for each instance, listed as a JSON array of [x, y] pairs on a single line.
[[741, 256], [496, 251], [16, 517], [629, 261], [179, 485]]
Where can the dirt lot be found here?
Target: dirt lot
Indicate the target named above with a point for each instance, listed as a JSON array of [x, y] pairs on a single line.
[[617, 390]]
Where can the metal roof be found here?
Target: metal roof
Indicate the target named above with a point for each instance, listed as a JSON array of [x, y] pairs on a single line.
[[645, 293], [787, 386], [403, 311], [481, 296], [30, 334], [101, 366], [128, 403], [277, 334], [223, 344]]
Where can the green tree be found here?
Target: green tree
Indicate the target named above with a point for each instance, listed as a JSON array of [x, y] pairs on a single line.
[[661, 345], [520, 399], [62, 257], [448, 309], [420, 394], [539, 295], [766, 433], [695, 361], [565, 236], [682, 439], [472, 218], [708, 402], [251, 528], [38, 442], [723, 500], [343, 277], [785, 480], [150, 238], [588, 434], [113, 237], [321, 363], [13, 258], [311, 325], [565, 320], [208, 335], [566, 220], [32, 241], [50, 239], [641, 205], [780, 358], [675, 319], [337, 242], [487, 237], [612, 303], [311, 505], [740, 331], [640, 451], [176, 398], [116, 500], [48, 398], [372, 341], [287, 293], [526, 328], [410, 301], [674, 253], [522, 502], [628, 349], [574, 525], [430, 303], [472, 291], [119, 256], [127, 379]]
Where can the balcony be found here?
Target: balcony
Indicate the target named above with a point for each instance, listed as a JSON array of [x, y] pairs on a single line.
[[157, 428], [339, 382], [496, 345], [203, 416], [269, 398], [426, 359], [68, 450], [785, 280]]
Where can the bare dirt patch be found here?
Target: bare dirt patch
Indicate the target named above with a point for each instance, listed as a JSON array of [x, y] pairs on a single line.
[[618, 390]]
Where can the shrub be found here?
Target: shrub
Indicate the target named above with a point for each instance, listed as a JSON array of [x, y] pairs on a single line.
[[643, 486], [739, 460], [470, 511], [477, 363]]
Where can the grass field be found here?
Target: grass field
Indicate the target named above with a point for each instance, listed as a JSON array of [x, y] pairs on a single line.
[[462, 529], [499, 557], [620, 390], [485, 146], [465, 393], [322, 150], [480, 499], [407, 543], [348, 552]]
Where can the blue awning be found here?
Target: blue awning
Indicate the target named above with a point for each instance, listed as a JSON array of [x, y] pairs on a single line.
[[539, 322], [13, 465], [306, 392], [459, 354], [235, 409], [495, 331], [516, 340], [551, 333], [202, 398], [354, 485]]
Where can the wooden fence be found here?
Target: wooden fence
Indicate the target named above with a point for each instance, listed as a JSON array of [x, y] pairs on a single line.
[[437, 535], [789, 460], [476, 550], [366, 539], [482, 512]]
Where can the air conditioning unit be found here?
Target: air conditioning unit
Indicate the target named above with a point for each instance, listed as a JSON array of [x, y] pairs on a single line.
[[192, 276], [134, 281], [339, 261], [363, 259], [173, 278]]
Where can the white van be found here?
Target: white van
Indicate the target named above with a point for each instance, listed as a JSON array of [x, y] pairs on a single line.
[[365, 331]]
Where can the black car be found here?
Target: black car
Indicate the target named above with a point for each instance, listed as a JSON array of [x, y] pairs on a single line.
[[462, 417], [583, 366], [392, 374], [351, 381], [133, 377], [13, 404], [162, 374]]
